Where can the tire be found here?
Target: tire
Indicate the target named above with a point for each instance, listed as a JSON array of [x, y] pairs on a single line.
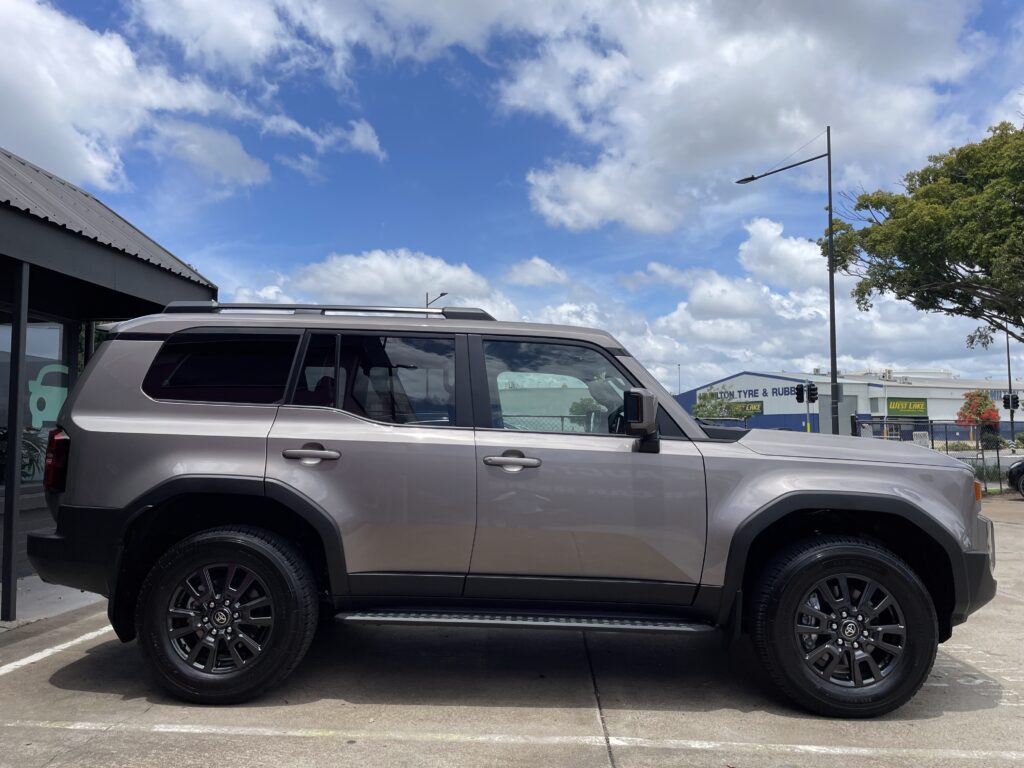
[[802, 589], [1020, 485], [259, 628]]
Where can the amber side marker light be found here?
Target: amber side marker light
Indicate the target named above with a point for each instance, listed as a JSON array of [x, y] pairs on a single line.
[[977, 491]]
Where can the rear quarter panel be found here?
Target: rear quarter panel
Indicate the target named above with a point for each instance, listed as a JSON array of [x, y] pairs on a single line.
[[123, 443]]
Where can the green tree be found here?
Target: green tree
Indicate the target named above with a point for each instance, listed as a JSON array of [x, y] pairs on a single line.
[[952, 241], [714, 404]]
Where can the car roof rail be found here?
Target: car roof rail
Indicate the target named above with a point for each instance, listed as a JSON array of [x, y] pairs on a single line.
[[449, 313]]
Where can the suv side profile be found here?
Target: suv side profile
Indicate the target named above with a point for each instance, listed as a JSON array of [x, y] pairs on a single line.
[[226, 475]]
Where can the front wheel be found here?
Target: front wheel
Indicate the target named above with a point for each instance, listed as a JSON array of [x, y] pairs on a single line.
[[844, 627], [226, 614]]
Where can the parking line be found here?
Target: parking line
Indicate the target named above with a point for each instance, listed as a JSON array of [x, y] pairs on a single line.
[[687, 745], [46, 652]]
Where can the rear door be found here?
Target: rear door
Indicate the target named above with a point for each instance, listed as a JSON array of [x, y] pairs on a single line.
[[379, 433], [567, 509]]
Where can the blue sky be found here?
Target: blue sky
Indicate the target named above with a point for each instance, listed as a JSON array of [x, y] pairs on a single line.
[[554, 161]]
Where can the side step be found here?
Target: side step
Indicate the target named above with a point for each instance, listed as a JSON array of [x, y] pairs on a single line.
[[523, 620]]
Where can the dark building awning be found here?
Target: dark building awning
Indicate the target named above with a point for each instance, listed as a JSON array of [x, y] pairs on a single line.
[[65, 255]]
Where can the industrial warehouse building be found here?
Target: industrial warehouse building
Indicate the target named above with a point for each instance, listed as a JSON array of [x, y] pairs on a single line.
[[910, 400]]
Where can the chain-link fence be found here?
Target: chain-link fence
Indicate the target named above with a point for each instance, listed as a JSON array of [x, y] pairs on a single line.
[[986, 448], [581, 423]]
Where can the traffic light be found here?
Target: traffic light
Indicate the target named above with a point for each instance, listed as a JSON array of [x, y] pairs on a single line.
[[1014, 402], [812, 393], [1006, 402], [799, 393]]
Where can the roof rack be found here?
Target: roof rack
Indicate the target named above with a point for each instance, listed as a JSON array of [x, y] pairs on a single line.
[[449, 313]]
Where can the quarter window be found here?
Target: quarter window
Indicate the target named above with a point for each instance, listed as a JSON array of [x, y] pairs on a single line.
[[222, 368], [544, 387]]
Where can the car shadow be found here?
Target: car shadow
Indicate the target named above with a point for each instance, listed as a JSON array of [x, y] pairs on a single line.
[[432, 666]]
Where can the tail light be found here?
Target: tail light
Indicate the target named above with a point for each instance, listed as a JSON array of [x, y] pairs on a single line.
[[55, 472]]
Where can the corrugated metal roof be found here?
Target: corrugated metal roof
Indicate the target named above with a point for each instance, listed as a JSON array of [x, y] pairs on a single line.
[[33, 190]]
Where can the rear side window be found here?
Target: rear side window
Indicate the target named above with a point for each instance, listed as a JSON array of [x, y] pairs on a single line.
[[250, 368], [400, 380]]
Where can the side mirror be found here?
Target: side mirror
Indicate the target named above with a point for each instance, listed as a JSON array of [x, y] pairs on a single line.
[[640, 410]]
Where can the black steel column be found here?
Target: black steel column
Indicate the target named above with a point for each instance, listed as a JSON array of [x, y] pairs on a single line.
[[1009, 379], [90, 340], [72, 337], [15, 427], [832, 294]]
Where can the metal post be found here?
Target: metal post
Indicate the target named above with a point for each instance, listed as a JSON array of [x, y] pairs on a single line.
[[832, 292], [90, 340], [71, 333], [807, 403], [15, 426], [1009, 377]]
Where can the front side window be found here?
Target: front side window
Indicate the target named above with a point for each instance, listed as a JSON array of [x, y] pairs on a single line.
[[245, 368], [544, 387]]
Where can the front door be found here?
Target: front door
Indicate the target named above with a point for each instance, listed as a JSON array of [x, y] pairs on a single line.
[[376, 433], [567, 509]]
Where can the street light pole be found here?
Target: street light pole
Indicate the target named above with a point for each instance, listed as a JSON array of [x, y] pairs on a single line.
[[834, 395], [834, 399]]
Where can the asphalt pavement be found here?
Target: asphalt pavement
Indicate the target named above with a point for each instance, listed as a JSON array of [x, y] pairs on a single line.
[[72, 695]]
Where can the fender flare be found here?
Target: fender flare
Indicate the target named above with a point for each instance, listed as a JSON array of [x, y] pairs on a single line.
[[757, 523], [326, 527]]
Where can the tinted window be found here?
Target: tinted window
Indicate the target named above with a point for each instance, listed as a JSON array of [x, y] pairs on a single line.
[[317, 383], [553, 388], [222, 368], [400, 380]]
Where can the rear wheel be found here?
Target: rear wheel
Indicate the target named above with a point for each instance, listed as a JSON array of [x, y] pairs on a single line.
[[226, 614], [844, 627]]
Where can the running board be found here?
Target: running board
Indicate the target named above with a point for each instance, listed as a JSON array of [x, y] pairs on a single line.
[[528, 621]]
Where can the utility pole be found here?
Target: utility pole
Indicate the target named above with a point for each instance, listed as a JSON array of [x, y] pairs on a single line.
[[679, 378], [1009, 378]]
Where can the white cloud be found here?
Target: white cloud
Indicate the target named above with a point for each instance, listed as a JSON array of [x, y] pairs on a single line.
[[723, 324], [76, 99], [215, 154], [398, 277], [362, 138], [536, 272], [239, 34], [787, 262], [671, 101]]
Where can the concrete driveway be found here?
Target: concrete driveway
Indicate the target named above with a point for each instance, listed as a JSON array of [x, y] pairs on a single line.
[[72, 695]]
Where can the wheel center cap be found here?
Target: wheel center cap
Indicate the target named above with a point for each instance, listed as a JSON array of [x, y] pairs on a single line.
[[850, 629], [221, 618]]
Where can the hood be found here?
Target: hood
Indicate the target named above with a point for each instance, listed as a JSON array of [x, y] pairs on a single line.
[[770, 442]]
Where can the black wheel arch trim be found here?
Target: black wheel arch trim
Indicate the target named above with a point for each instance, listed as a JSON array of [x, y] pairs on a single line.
[[743, 538], [122, 615]]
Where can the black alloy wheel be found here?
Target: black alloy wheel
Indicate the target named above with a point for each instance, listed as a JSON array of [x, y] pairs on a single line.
[[226, 614], [220, 618], [851, 630], [843, 626]]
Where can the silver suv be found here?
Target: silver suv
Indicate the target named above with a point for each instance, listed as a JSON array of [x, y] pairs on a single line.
[[227, 474]]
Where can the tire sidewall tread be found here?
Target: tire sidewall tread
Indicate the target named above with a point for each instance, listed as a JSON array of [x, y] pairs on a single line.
[[783, 584], [289, 579]]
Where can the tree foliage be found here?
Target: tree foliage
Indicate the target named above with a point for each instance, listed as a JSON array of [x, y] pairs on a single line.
[[714, 404], [952, 241], [978, 409]]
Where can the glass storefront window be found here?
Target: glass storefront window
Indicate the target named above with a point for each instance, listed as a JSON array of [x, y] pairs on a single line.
[[46, 389]]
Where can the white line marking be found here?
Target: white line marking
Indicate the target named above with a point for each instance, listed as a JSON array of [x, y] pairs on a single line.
[[691, 745], [16, 665]]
